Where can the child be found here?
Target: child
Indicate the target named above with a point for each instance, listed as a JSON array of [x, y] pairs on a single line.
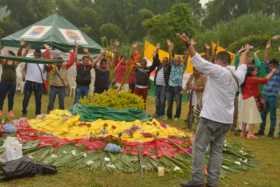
[[8, 85]]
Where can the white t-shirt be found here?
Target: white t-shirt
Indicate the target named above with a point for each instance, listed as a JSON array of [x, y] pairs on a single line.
[[33, 73], [220, 90]]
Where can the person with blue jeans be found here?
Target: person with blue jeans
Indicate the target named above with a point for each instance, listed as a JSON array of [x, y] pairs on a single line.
[[58, 80], [161, 82], [174, 91], [270, 93], [8, 85], [35, 74], [83, 78]]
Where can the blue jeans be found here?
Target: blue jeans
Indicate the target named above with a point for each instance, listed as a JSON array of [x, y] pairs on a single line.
[[30, 87], [81, 91], [160, 100], [271, 107], [56, 91], [174, 93], [7, 89]]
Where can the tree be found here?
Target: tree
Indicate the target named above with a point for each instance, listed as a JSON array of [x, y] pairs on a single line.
[[30, 12], [4, 12], [111, 31], [251, 26], [165, 26], [225, 10]]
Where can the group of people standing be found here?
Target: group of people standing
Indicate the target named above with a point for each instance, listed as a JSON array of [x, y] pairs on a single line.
[[52, 78], [259, 95]]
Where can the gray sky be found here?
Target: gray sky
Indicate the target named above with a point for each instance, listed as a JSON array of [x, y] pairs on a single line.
[[203, 2]]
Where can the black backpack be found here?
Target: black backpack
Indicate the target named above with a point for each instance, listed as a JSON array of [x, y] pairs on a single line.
[[24, 167]]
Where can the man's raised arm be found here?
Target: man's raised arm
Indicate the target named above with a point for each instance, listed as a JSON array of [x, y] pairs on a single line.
[[201, 64]]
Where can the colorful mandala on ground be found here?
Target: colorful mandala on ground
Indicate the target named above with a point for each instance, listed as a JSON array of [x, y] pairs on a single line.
[[62, 139]]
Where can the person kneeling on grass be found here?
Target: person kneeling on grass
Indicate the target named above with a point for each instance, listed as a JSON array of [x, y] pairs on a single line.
[[58, 80], [217, 111], [8, 84], [252, 105]]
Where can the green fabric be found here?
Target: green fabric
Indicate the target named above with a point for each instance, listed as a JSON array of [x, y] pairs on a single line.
[[53, 37], [92, 113], [259, 64], [29, 60]]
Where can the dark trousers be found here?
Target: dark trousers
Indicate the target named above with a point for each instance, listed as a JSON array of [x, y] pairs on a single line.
[[56, 91], [271, 108], [141, 92], [30, 87], [174, 93], [81, 91], [7, 89], [160, 100]]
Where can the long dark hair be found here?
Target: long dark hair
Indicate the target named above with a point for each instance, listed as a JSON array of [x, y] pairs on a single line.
[[250, 70]]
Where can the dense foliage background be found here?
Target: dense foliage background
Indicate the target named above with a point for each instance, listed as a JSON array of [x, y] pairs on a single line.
[[229, 22]]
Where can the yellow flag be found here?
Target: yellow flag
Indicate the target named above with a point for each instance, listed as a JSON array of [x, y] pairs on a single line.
[[149, 50], [220, 49]]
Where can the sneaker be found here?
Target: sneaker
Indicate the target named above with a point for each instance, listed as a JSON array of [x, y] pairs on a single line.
[[11, 114], [270, 135], [176, 119]]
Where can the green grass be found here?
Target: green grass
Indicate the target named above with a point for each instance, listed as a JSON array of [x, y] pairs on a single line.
[[265, 174]]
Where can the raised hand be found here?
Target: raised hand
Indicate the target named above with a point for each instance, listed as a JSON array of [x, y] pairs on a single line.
[[184, 38], [170, 45], [46, 46], [276, 37], [207, 46], [248, 47], [268, 44], [86, 50], [158, 46]]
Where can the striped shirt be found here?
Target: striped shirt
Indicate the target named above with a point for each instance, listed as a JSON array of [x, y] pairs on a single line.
[[272, 88], [160, 81]]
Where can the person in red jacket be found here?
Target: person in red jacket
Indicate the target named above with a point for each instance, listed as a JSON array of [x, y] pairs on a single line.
[[252, 102]]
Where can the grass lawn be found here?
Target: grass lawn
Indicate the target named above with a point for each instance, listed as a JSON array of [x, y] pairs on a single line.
[[265, 174]]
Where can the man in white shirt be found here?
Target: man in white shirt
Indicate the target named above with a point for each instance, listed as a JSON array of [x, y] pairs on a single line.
[[216, 115], [34, 76]]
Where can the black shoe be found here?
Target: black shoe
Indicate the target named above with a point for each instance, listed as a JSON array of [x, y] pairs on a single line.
[[260, 133], [192, 184]]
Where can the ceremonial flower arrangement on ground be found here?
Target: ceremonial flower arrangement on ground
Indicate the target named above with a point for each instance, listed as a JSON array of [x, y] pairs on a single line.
[[114, 137]]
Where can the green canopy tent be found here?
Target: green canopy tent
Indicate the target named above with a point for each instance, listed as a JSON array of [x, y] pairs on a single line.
[[55, 31]]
